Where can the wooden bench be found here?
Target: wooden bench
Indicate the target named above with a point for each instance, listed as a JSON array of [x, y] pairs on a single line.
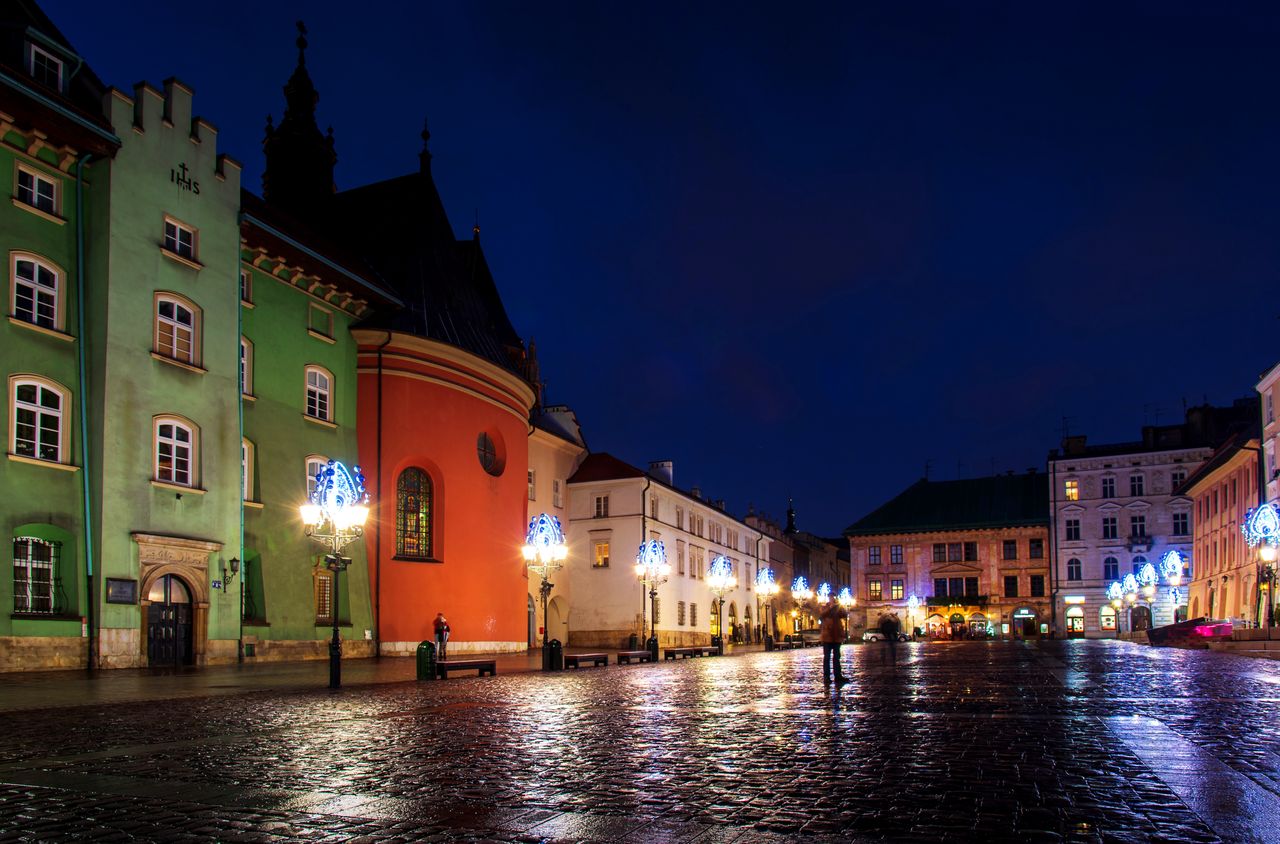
[[710, 650], [576, 660], [672, 653], [786, 646], [625, 657], [483, 666]]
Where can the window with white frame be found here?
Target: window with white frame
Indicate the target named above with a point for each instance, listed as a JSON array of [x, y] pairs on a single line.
[[680, 557], [1181, 524], [1110, 527], [1073, 569], [40, 419], [175, 451], [533, 486], [1108, 487], [246, 286], [246, 366], [246, 469], [600, 558], [179, 239], [37, 190], [36, 292], [315, 463], [1138, 526], [1137, 485], [602, 507], [319, 385], [177, 329], [1073, 530], [1110, 569], [44, 67], [556, 497], [680, 518], [1176, 478], [34, 571]]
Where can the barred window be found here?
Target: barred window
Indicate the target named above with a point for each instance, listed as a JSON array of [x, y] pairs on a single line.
[[324, 597], [693, 615], [680, 613], [413, 514], [34, 562]]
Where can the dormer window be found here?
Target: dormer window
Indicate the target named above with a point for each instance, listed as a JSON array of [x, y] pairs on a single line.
[[44, 67]]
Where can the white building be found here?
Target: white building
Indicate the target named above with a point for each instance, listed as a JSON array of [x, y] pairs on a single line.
[[613, 508], [556, 449], [1114, 509]]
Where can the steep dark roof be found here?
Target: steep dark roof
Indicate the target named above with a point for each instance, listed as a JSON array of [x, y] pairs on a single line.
[[1000, 501], [603, 466], [400, 225]]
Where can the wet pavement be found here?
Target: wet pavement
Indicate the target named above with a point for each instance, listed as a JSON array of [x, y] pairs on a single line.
[[1078, 741]]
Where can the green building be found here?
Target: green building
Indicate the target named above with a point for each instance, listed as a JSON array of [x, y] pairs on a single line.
[[206, 336]]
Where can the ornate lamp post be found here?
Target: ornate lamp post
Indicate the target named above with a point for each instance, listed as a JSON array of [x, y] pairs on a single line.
[[1171, 565], [721, 581], [766, 588], [652, 570], [1129, 586], [1115, 594], [1148, 578], [824, 594], [1262, 531], [335, 518], [544, 553], [801, 592], [847, 602]]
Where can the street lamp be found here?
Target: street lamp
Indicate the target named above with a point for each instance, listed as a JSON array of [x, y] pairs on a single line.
[[1262, 531], [721, 581], [801, 592], [1115, 594], [335, 516], [544, 553], [824, 593], [1148, 578], [766, 588], [913, 603], [847, 602], [651, 570]]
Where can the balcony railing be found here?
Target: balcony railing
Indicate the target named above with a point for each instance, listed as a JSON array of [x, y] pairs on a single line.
[[1139, 542], [960, 600]]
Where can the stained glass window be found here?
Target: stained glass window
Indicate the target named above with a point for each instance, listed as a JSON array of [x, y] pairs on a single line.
[[413, 514]]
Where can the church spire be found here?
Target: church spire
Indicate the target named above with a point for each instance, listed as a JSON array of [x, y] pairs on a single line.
[[791, 516], [424, 157], [300, 160]]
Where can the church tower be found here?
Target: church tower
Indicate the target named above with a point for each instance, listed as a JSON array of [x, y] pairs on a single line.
[[300, 160]]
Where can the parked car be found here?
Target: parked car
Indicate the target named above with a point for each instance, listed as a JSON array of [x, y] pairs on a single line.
[[877, 636], [809, 637]]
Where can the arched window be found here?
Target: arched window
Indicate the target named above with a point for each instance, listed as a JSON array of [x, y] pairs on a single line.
[[413, 514], [41, 418], [177, 334], [176, 450], [35, 572], [1107, 618], [37, 291], [1110, 569], [319, 393], [1138, 562], [1073, 569], [315, 462]]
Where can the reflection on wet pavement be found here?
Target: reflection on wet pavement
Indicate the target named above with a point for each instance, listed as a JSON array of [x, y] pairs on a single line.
[[1085, 741]]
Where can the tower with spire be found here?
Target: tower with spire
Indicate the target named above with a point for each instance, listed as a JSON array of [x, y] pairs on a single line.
[[300, 160]]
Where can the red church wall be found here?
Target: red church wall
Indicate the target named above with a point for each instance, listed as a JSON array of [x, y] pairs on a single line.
[[436, 400]]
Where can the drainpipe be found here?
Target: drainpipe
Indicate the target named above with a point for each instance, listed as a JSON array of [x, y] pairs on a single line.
[[644, 537], [377, 537], [240, 385], [82, 376]]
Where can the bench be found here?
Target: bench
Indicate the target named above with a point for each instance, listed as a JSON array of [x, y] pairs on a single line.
[[576, 660], [625, 657], [710, 650], [785, 646], [672, 653], [483, 666]]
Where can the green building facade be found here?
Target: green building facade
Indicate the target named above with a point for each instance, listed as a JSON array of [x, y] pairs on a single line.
[[205, 338]]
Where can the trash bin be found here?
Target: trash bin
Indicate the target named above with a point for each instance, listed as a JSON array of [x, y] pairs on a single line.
[[633, 642], [555, 655], [427, 661], [717, 642]]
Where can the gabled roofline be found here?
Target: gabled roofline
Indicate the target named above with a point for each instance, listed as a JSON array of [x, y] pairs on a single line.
[[58, 107]]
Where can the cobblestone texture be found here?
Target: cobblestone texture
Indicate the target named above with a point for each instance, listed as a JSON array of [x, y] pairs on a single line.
[[959, 742]]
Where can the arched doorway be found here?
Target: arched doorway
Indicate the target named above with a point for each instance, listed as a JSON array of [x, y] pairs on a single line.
[[1075, 622], [533, 623], [558, 620], [715, 616], [935, 626], [169, 623], [1140, 618], [735, 635], [1195, 607], [957, 625], [978, 625], [1107, 618], [748, 632]]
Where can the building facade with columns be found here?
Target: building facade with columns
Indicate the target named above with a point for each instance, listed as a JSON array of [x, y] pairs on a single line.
[[1227, 579], [972, 552], [613, 508], [1116, 508]]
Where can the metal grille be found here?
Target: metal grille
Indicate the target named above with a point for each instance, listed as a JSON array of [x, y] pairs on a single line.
[[413, 514]]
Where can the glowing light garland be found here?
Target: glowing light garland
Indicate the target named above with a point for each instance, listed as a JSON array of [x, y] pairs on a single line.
[[1115, 592], [544, 543], [800, 589], [720, 575], [765, 584], [651, 562], [339, 498], [824, 592], [845, 598], [1147, 575], [1261, 526], [1130, 587]]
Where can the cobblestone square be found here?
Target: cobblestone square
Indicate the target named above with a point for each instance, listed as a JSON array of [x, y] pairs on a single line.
[[1079, 741]]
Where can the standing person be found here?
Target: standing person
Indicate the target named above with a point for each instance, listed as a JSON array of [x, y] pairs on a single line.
[[442, 636], [831, 634], [889, 630]]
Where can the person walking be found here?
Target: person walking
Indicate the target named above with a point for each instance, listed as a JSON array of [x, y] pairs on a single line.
[[442, 636], [889, 631], [831, 635]]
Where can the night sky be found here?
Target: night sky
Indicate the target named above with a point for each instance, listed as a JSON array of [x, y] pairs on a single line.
[[802, 250]]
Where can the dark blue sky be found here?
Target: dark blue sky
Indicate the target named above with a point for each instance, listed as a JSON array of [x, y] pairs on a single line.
[[804, 252]]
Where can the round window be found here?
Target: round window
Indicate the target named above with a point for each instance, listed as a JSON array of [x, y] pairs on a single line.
[[490, 453]]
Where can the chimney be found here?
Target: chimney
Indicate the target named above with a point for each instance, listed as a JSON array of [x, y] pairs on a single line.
[[719, 503], [663, 470], [696, 492]]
